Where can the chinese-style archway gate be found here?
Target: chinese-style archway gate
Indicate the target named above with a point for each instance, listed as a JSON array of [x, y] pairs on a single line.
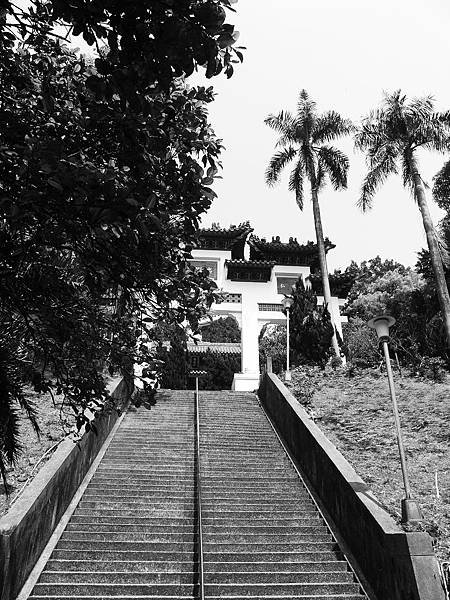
[[253, 276]]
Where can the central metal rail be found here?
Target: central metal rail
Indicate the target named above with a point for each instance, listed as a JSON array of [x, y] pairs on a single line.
[[198, 481]]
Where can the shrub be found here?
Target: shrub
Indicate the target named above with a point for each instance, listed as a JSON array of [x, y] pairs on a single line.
[[220, 369], [222, 330], [336, 362], [272, 342], [361, 344], [433, 368], [311, 327]]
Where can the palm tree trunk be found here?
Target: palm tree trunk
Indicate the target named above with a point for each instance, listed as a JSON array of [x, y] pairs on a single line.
[[433, 247], [323, 264]]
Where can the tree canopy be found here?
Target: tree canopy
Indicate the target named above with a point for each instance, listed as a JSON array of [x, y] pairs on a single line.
[[106, 166]]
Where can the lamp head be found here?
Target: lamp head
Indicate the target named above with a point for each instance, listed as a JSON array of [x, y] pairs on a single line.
[[287, 302], [381, 324]]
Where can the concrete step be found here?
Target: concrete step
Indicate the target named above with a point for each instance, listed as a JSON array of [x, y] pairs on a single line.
[[100, 590], [289, 590], [268, 557], [309, 519], [110, 504], [116, 577], [256, 512], [132, 545], [265, 538], [171, 494], [252, 530], [162, 482], [145, 527], [210, 495], [243, 547], [272, 577], [141, 535], [150, 511], [137, 566], [124, 555], [275, 567], [133, 520], [123, 480]]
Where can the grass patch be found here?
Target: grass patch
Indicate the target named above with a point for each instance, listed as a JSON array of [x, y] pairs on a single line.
[[356, 415]]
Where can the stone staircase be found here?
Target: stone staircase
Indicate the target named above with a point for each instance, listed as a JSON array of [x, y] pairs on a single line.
[[263, 535], [133, 534]]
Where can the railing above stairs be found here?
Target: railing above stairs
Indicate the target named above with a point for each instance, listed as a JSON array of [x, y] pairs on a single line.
[[198, 486]]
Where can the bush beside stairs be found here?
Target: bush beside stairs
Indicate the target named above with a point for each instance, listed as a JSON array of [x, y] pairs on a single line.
[[133, 534]]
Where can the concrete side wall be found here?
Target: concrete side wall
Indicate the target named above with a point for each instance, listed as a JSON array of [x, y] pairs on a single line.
[[398, 565], [26, 528]]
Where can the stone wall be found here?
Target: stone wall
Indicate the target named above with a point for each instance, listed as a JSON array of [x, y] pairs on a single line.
[[26, 528]]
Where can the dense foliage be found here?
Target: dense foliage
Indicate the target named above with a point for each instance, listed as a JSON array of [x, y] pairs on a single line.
[[172, 354], [105, 168], [389, 288], [224, 329], [272, 342], [220, 369], [311, 330]]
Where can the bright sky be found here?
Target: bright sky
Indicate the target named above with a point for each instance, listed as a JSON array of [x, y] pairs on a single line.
[[345, 54]]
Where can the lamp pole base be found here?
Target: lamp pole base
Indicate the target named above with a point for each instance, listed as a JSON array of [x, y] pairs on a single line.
[[288, 376], [411, 512]]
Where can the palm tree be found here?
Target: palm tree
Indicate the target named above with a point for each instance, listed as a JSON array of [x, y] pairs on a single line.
[[305, 139], [390, 137]]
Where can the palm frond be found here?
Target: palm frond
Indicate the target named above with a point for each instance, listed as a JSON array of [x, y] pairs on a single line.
[[419, 109], [282, 123], [309, 161], [277, 164], [378, 173], [31, 411], [407, 174], [330, 126], [432, 134], [441, 187], [336, 164], [306, 116], [296, 182], [320, 177], [373, 132]]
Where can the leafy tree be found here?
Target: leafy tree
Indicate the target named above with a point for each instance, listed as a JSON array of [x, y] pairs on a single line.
[[149, 44], [311, 330], [376, 296], [100, 196], [391, 136], [174, 366], [405, 295], [370, 271], [220, 369], [272, 342], [224, 329], [305, 138], [361, 345]]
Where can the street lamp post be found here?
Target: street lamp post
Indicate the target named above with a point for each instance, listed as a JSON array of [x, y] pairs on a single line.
[[287, 303], [410, 508]]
